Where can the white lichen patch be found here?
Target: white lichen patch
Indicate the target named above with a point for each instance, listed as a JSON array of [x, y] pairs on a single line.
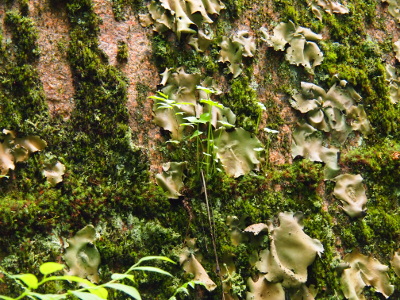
[[351, 193], [302, 48], [54, 172], [362, 271], [82, 256]]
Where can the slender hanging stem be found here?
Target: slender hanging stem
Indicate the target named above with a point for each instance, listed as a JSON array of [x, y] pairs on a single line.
[[212, 232]]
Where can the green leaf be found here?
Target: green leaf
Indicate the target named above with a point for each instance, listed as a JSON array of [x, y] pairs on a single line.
[[162, 94], [151, 269], [184, 103], [146, 258], [85, 296], [207, 90], [212, 103], [30, 280], [225, 124], [48, 296], [117, 276], [193, 120], [130, 290], [99, 291], [70, 278], [50, 267], [205, 117], [6, 298], [196, 134]]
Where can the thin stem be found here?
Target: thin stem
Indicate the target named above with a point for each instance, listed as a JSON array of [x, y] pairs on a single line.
[[212, 232]]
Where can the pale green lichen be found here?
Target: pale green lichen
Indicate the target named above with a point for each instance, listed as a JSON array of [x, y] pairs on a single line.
[[336, 111], [361, 271], [82, 256], [393, 8], [394, 83], [54, 172], [302, 48], [192, 265], [238, 151], [171, 179], [234, 48], [309, 145], [329, 6], [350, 191], [14, 150], [187, 17], [395, 262]]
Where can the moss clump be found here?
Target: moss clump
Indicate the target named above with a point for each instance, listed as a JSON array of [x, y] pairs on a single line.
[[122, 54], [24, 37], [379, 231], [361, 66], [120, 8], [241, 98]]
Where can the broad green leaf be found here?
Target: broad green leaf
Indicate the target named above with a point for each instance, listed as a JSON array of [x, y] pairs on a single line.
[[6, 298], [192, 120], [151, 269], [196, 134], [49, 296], [226, 124], [130, 290], [183, 290], [99, 291], [146, 258], [186, 124], [85, 296], [70, 278], [172, 298], [162, 94], [50, 267], [117, 276], [207, 90], [164, 106], [184, 103], [205, 117], [162, 99], [30, 280], [212, 103], [173, 141]]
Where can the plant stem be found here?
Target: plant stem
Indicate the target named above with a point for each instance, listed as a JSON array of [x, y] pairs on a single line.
[[212, 232]]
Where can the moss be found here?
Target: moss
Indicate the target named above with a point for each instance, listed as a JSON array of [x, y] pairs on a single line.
[[241, 98], [24, 37], [120, 8], [122, 54], [168, 52], [361, 66]]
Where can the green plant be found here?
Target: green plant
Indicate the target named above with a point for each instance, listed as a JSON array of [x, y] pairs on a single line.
[[88, 291]]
